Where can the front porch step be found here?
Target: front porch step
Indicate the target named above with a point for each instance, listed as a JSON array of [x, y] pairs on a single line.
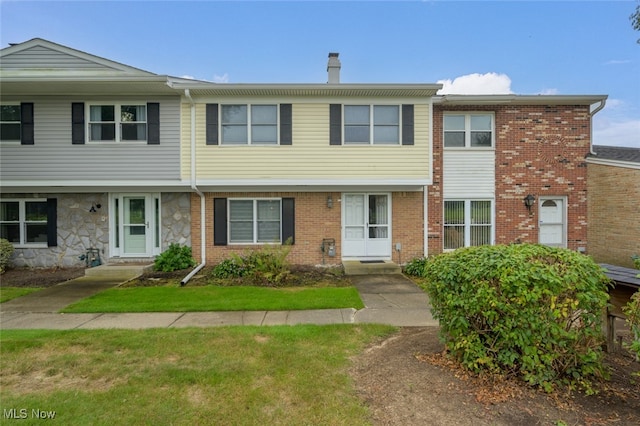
[[120, 271], [355, 267]]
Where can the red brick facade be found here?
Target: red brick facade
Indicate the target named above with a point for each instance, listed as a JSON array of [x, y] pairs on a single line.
[[540, 150]]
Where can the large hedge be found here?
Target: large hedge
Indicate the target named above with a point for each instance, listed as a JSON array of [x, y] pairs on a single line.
[[522, 310], [6, 250]]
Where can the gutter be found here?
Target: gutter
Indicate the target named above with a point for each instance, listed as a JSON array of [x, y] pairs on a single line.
[[194, 187], [591, 114]]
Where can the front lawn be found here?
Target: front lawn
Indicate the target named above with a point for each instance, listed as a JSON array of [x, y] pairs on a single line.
[[8, 293], [222, 375], [214, 298]]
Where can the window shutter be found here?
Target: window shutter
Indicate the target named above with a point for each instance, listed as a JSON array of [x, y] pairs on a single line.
[[285, 124], [288, 220], [26, 123], [153, 123], [77, 123], [212, 124], [335, 124], [219, 221], [407, 125], [52, 222]]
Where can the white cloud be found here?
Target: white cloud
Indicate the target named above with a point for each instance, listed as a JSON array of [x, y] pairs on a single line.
[[618, 62], [611, 132], [188, 77], [224, 78], [549, 92], [477, 84]]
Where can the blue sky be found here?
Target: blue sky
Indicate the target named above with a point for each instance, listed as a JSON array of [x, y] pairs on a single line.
[[561, 47]]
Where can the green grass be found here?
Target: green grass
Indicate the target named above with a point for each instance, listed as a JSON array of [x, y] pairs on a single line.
[[8, 293], [212, 298], [223, 375]]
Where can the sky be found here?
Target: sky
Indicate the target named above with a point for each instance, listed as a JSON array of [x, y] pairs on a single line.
[[474, 47]]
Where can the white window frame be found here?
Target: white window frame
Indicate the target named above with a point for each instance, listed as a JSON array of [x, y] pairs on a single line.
[[249, 124], [372, 125], [19, 123], [467, 220], [22, 221], [118, 122], [468, 130], [255, 221]]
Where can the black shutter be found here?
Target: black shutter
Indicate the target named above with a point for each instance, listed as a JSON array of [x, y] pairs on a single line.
[[288, 220], [52, 222], [212, 124], [285, 124], [219, 222], [335, 124], [407, 125], [153, 123], [26, 124], [77, 123]]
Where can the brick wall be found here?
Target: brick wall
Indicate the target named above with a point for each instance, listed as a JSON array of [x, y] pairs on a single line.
[[614, 214], [313, 222], [540, 150]]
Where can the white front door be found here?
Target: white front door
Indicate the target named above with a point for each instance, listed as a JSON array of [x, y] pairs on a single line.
[[553, 221], [135, 225], [366, 226]]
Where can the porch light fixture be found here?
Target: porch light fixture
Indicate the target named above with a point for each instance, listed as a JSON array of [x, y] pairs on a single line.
[[529, 200], [329, 201]]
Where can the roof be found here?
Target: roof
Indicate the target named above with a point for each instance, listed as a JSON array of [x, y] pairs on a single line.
[[519, 99], [615, 156]]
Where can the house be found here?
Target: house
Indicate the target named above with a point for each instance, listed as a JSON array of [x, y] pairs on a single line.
[[102, 155], [614, 204]]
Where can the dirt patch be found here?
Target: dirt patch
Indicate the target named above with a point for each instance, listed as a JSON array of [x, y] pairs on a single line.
[[406, 380], [35, 277]]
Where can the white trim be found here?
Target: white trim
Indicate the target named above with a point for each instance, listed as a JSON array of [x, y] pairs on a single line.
[[254, 200], [467, 131], [365, 256], [372, 123], [614, 163], [565, 209], [22, 221], [249, 124], [117, 122], [425, 227]]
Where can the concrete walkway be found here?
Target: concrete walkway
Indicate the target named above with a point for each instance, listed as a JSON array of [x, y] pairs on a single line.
[[388, 299]]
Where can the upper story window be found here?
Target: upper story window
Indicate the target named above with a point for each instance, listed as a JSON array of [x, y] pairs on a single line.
[[371, 124], [10, 123], [117, 123], [249, 124], [468, 130], [24, 222]]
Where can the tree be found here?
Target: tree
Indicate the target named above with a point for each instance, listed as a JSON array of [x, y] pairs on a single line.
[[635, 20]]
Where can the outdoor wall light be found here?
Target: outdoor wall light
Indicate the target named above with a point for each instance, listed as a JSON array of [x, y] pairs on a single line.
[[529, 200], [329, 201], [94, 207]]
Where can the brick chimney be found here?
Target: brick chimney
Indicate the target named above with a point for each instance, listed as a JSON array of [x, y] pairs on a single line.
[[333, 68]]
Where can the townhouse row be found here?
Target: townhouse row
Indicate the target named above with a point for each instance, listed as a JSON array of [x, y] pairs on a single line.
[[99, 155]]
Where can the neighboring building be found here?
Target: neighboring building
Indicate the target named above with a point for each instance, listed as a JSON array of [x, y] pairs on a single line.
[[614, 204], [96, 154]]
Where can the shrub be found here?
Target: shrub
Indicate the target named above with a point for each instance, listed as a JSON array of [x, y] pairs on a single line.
[[175, 258], [415, 266], [6, 250], [632, 311], [267, 266], [636, 262], [523, 310]]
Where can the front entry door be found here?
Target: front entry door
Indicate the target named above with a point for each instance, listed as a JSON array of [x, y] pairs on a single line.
[[135, 225], [366, 225], [552, 222]]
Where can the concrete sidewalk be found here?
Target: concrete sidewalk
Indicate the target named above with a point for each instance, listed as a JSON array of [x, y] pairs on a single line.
[[388, 299]]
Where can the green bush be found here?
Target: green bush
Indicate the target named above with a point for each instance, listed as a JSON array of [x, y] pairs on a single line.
[[632, 311], [175, 258], [523, 310], [415, 266], [6, 250], [267, 266]]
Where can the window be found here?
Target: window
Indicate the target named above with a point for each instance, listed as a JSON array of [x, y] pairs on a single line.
[[377, 124], [10, 122], [24, 222], [117, 123], [255, 221], [468, 130], [467, 223], [249, 124]]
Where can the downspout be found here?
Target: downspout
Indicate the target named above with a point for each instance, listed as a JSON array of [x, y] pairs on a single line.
[[591, 114], [194, 187]]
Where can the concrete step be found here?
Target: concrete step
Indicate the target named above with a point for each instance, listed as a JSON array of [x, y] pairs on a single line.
[[356, 267], [121, 271]]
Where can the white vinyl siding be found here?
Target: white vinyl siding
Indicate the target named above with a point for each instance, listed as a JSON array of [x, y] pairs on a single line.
[[469, 173]]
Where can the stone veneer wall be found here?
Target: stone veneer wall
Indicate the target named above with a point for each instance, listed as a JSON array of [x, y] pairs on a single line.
[[79, 229]]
